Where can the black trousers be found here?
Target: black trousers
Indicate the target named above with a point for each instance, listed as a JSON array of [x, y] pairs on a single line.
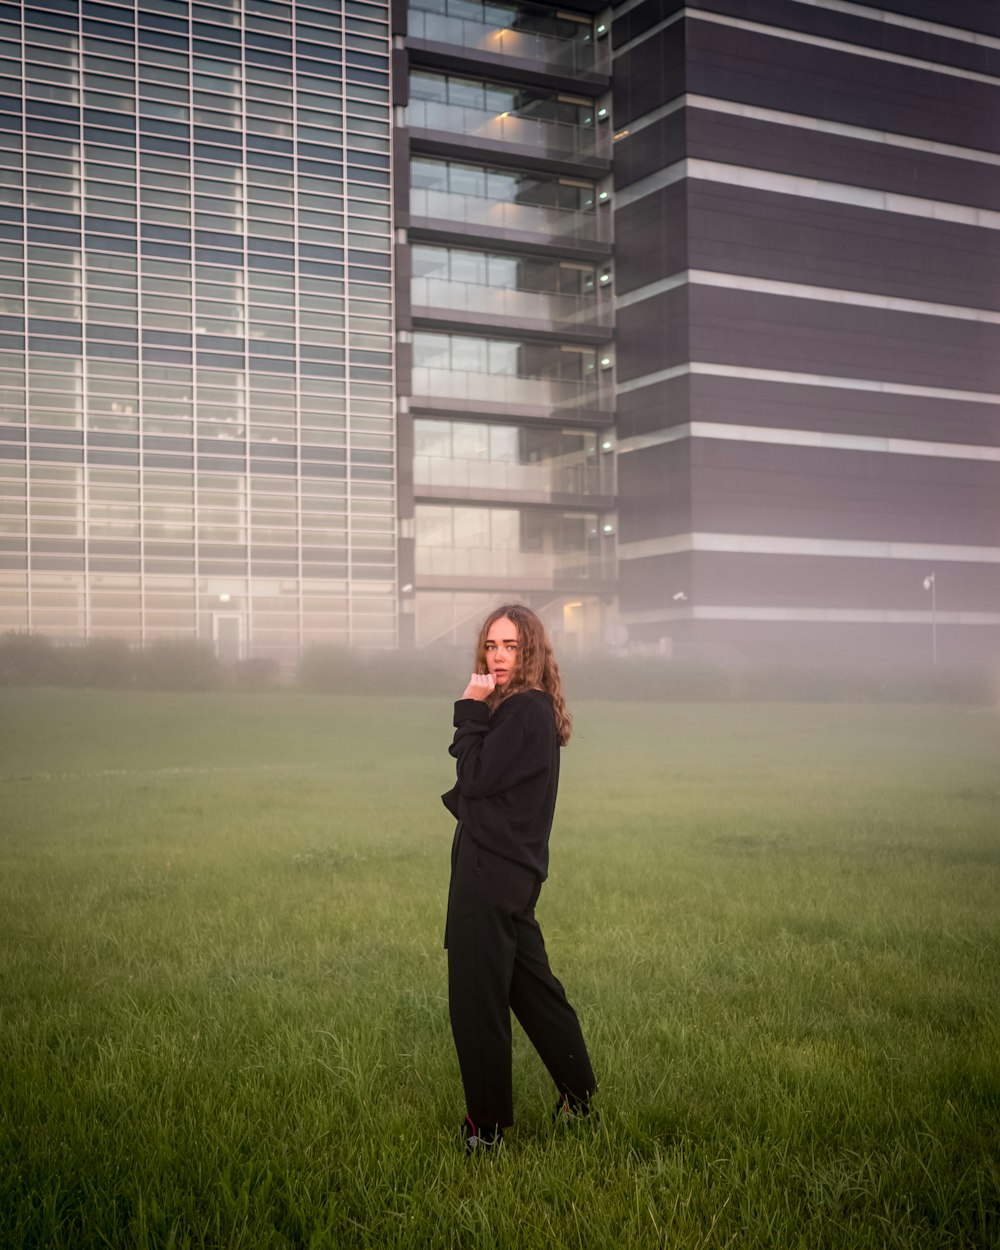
[[497, 964]]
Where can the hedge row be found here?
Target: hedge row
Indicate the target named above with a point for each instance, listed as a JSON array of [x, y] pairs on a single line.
[[181, 664], [28, 659]]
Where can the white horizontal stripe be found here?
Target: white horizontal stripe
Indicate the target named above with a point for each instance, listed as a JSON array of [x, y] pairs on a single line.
[[820, 125], [844, 193], [851, 384], [648, 33], [781, 118], [782, 545], [835, 295], [656, 438], [659, 287], [802, 290], [838, 45], [648, 379], [822, 439], [870, 13], [857, 616], [654, 115], [627, 7], [809, 189], [642, 187], [806, 379]]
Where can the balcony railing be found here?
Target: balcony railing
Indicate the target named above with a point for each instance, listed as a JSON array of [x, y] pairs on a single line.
[[542, 308], [507, 389], [555, 140], [546, 568], [584, 477], [508, 216], [575, 56]]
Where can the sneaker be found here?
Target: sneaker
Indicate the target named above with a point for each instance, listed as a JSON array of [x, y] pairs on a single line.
[[486, 1137]]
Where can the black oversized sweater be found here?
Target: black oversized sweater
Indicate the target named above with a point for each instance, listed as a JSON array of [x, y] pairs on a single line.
[[508, 775]]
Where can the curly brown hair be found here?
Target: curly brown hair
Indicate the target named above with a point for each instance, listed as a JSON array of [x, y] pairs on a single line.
[[536, 667]]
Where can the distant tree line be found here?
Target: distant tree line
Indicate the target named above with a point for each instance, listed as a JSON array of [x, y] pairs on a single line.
[[32, 659]]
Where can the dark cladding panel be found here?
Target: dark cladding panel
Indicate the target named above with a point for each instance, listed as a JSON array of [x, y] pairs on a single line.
[[653, 407], [840, 410], [809, 154], [980, 16], [897, 39], [649, 583], [767, 70], [654, 488], [825, 646], [654, 147], [796, 583], [766, 331], [653, 332], [649, 75], [628, 26], [810, 492], [751, 579], [400, 78], [977, 15], [767, 234], [652, 237]]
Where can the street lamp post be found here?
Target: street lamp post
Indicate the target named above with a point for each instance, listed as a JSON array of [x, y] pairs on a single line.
[[930, 583]]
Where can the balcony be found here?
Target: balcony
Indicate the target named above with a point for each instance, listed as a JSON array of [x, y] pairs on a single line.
[[464, 302], [576, 58], [483, 131], [462, 390], [534, 570], [485, 479], [436, 211]]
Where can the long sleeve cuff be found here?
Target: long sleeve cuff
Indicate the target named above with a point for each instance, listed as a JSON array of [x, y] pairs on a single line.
[[471, 710]]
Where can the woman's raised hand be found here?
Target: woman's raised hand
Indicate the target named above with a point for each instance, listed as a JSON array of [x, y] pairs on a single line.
[[481, 686]]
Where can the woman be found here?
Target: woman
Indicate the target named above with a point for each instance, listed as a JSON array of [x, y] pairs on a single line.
[[509, 726]]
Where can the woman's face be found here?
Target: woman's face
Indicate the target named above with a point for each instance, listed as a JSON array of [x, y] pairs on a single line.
[[501, 650]]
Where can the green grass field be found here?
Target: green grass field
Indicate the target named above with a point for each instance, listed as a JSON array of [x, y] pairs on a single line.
[[223, 1016]]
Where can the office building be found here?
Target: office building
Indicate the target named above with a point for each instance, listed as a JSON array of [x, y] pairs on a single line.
[[327, 320], [807, 283], [197, 432]]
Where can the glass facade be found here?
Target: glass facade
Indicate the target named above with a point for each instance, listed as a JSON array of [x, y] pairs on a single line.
[[532, 290], [546, 123], [496, 203], [553, 38], [540, 548], [492, 456], [509, 381], [507, 373], [196, 327]]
